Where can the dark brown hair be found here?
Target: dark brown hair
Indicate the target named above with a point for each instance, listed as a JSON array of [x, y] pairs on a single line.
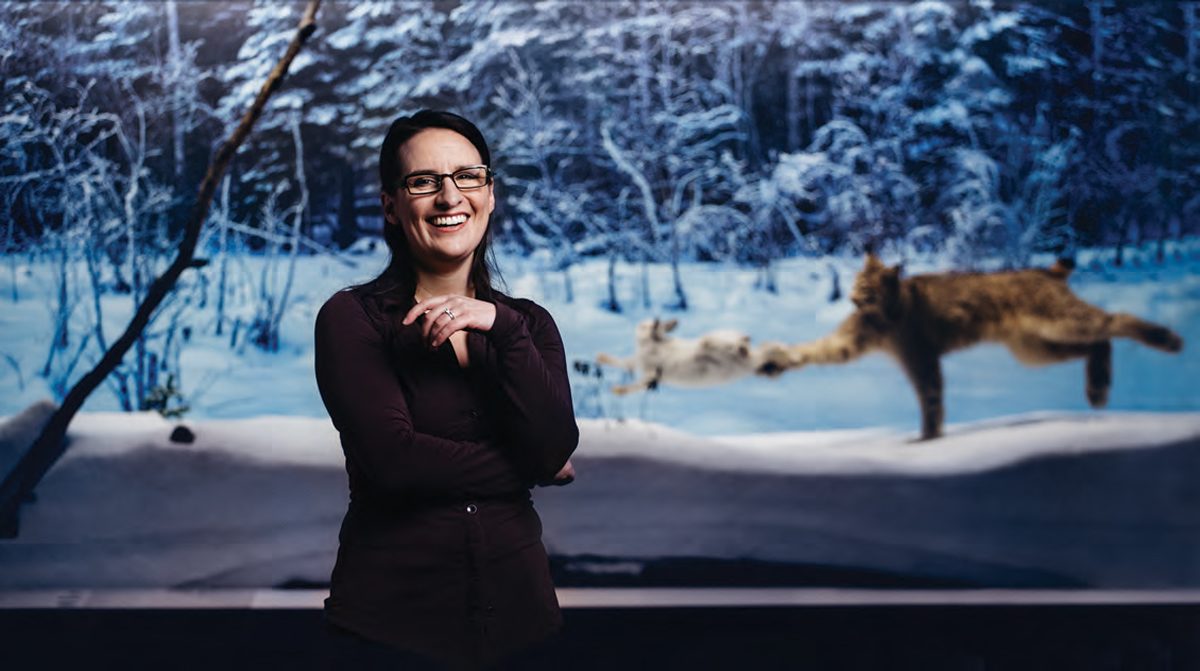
[[399, 278]]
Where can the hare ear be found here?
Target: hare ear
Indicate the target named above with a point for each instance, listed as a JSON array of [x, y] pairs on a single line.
[[670, 325]]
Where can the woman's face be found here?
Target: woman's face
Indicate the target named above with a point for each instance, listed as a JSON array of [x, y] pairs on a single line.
[[444, 228]]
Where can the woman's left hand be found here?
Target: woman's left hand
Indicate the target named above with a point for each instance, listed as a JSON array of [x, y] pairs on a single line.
[[449, 313], [565, 475]]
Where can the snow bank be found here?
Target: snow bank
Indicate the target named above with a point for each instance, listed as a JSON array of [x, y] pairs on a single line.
[[967, 448], [1043, 500]]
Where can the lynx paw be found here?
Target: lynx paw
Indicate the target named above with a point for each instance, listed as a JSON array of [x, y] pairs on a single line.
[[1174, 343], [774, 359], [770, 369]]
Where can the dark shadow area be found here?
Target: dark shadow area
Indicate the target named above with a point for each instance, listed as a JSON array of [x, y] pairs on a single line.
[[827, 637], [703, 572], [596, 571]]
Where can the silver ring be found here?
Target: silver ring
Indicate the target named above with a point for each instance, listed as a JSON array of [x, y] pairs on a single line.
[[448, 312]]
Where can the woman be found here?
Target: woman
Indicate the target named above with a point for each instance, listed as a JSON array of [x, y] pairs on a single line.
[[452, 401]]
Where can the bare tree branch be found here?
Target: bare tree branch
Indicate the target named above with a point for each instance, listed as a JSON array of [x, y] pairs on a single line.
[[50, 445]]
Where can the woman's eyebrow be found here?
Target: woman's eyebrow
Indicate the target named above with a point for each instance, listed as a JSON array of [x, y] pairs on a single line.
[[435, 172]]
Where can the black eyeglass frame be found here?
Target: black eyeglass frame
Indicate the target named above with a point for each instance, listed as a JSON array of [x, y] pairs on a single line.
[[489, 175]]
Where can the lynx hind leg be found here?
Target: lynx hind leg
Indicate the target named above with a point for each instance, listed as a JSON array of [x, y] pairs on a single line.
[[1099, 373], [1148, 333]]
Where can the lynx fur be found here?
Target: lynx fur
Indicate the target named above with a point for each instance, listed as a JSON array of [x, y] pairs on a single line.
[[918, 319], [713, 358]]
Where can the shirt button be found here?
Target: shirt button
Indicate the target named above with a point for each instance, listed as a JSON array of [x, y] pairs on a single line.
[[471, 509]]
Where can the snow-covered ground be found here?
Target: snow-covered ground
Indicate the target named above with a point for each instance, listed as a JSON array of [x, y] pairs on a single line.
[[981, 382], [1029, 488], [1102, 500]]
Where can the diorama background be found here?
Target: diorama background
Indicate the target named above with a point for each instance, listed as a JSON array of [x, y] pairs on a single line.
[[726, 164]]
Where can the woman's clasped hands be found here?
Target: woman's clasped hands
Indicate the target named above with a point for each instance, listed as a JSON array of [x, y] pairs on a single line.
[[449, 313]]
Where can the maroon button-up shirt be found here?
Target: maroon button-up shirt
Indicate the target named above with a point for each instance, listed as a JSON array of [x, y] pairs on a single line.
[[440, 551]]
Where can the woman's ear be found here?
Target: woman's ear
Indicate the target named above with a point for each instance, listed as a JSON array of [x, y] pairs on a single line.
[[388, 204]]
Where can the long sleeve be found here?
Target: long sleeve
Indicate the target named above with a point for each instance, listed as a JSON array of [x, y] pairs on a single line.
[[531, 370], [366, 403]]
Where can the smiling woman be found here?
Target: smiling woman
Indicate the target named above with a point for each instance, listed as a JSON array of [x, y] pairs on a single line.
[[452, 402], [443, 226]]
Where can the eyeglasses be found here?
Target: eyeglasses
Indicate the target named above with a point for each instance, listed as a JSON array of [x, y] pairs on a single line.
[[424, 183]]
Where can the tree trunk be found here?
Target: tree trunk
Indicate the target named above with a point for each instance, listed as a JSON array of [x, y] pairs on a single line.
[[810, 106], [49, 446], [568, 285], [1122, 233], [612, 305], [223, 250], [1096, 15], [793, 111], [347, 218], [174, 68], [60, 340], [680, 298], [297, 222], [1190, 21], [646, 283], [649, 205]]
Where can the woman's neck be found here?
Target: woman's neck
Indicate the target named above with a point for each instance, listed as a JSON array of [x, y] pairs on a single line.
[[437, 284]]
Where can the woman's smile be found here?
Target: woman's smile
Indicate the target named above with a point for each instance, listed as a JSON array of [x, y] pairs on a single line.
[[449, 221]]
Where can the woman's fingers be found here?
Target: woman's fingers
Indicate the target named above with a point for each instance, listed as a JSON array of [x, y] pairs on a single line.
[[444, 315], [444, 324], [461, 315], [424, 307]]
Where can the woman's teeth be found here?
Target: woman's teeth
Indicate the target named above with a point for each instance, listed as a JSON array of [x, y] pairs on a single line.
[[450, 221]]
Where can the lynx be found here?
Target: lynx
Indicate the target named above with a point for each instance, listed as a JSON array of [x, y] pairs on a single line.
[[713, 358], [918, 319]]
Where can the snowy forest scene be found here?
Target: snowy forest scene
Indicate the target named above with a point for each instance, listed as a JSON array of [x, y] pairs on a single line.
[[725, 165]]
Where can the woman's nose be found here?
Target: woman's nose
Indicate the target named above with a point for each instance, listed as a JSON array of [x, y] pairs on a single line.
[[448, 195]]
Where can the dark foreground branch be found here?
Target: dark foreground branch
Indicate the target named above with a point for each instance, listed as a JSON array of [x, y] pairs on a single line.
[[19, 483]]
